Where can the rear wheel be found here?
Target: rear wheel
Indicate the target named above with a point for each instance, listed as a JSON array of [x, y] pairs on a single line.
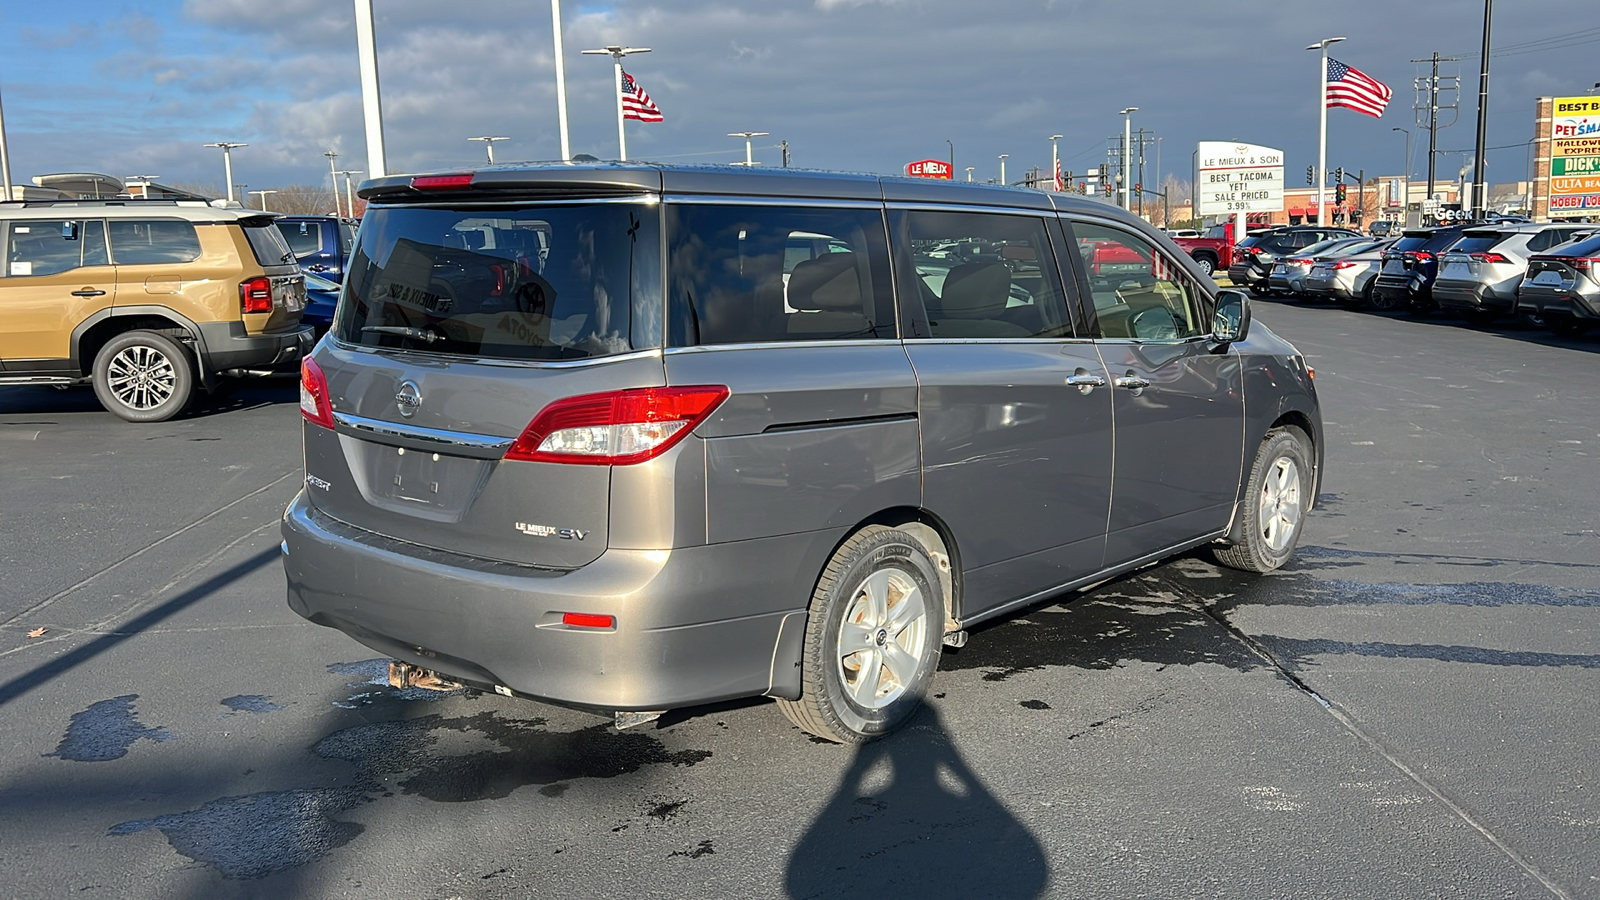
[[1529, 319], [1380, 301], [1275, 503], [1206, 264], [142, 376], [1565, 324], [873, 633]]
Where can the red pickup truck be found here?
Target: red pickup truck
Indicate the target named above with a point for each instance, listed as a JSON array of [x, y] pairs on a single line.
[[1214, 249]]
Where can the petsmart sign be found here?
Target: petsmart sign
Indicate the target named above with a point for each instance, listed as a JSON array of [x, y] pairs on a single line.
[[1237, 178]]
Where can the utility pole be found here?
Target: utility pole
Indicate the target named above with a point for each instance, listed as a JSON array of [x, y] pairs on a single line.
[[1480, 190], [1139, 182], [784, 145], [1361, 194], [1452, 83]]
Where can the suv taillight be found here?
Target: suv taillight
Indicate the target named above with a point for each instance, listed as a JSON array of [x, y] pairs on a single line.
[[1583, 264], [1488, 257], [1297, 261], [314, 404], [1341, 264], [617, 428], [255, 295]]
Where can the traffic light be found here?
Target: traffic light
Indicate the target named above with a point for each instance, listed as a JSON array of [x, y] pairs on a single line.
[[1338, 175], [1311, 174], [1338, 193], [1138, 188], [1108, 189]]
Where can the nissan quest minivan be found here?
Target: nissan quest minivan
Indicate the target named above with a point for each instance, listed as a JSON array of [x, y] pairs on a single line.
[[630, 437]]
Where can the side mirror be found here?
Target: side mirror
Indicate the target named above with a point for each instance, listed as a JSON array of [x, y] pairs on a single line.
[[1231, 322], [69, 231]]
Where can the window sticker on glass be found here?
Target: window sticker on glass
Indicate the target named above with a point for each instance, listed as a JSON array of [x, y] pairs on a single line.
[[22, 268], [22, 229]]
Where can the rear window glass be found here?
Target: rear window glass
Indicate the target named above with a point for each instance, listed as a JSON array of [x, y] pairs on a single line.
[[1477, 242], [1442, 240], [267, 243], [1410, 242], [304, 238], [1588, 247], [146, 241], [538, 283], [743, 274]]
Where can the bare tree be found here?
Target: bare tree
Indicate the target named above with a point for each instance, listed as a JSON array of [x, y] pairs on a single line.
[[208, 189], [302, 200]]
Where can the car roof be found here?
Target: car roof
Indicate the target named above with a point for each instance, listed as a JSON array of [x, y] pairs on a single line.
[[189, 210]]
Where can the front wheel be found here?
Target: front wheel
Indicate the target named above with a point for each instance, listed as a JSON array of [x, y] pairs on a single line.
[[1206, 264], [142, 376], [1275, 502], [873, 633]]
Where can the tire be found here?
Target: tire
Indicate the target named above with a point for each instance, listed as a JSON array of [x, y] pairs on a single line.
[[1565, 325], [1206, 264], [1275, 502], [1381, 302], [900, 640], [1527, 318], [142, 376]]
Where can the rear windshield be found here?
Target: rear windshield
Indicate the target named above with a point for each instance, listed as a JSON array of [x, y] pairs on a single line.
[[267, 242], [1410, 242], [1250, 241], [536, 283], [1442, 240], [1587, 247], [1478, 242]]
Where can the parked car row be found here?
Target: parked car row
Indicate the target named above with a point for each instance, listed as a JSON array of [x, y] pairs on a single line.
[[1548, 275]]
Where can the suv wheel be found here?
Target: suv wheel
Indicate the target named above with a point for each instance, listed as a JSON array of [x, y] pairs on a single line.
[[1275, 503], [142, 376], [873, 633]]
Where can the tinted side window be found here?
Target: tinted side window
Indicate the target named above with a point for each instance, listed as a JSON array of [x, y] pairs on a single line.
[[52, 246], [143, 241], [741, 274], [984, 275], [1138, 293]]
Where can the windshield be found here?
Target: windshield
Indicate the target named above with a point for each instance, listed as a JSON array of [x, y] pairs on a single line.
[[536, 283]]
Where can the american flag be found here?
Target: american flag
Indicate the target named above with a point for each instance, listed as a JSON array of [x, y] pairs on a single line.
[[636, 104], [1351, 89], [1059, 186]]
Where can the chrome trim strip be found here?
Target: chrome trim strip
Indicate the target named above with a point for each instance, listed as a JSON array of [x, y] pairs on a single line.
[[774, 345], [914, 206], [361, 426], [773, 200], [648, 198], [395, 353]]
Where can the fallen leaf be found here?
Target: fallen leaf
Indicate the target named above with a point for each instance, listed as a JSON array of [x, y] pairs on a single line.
[[37, 632]]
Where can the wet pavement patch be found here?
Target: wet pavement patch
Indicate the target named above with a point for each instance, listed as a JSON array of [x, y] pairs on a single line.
[[254, 703], [257, 835], [1033, 704], [105, 731]]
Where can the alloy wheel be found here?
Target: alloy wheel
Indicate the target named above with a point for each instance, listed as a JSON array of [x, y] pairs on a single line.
[[1279, 505], [880, 639], [142, 377]]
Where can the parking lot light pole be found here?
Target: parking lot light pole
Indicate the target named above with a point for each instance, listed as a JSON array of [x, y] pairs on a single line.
[[561, 82], [1003, 167], [371, 104], [5, 159], [749, 158], [349, 198], [488, 144], [333, 179], [616, 53], [227, 163], [1127, 135], [1322, 128], [969, 172], [1406, 198], [263, 196]]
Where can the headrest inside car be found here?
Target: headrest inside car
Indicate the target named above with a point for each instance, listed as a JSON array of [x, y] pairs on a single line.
[[976, 290], [827, 283]]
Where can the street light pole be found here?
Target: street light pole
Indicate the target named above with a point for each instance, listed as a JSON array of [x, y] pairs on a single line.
[[952, 156], [263, 196], [349, 198], [749, 158], [617, 53], [969, 172], [1055, 163], [333, 179], [371, 106], [1322, 128], [1127, 135], [561, 81], [1480, 190], [5, 159], [1407, 196], [488, 144], [227, 162], [1003, 167]]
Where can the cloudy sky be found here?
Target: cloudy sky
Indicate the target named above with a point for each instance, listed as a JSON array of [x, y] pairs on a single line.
[[129, 88]]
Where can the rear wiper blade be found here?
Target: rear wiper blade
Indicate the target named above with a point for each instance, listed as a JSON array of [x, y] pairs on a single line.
[[421, 334]]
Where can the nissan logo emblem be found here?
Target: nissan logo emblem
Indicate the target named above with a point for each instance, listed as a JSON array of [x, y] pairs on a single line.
[[409, 398]]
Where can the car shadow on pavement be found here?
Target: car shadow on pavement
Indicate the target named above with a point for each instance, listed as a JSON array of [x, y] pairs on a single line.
[[230, 395], [911, 819]]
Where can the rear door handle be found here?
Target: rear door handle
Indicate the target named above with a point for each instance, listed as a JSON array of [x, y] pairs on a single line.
[[1133, 382], [1085, 381], [88, 292]]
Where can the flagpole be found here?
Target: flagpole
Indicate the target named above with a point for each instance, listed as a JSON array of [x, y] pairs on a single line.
[[1322, 129]]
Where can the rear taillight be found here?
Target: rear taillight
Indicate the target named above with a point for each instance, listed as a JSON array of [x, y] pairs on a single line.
[[314, 404], [1341, 264], [588, 620], [1488, 257], [1421, 255], [617, 428], [1297, 262], [255, 295], [1583, 264]]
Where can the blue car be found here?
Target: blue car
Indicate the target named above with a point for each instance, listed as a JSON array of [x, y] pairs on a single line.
[[322, 296]]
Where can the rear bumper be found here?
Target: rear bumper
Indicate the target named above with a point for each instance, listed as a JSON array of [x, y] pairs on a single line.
[[693, 625], [1244, 273], [1471, 295], [227, 345], [1578, 304]]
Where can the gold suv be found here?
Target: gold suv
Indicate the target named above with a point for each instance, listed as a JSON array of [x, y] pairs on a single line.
[[145, 299]]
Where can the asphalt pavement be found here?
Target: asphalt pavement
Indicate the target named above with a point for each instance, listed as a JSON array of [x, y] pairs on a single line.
[[1409, 710]]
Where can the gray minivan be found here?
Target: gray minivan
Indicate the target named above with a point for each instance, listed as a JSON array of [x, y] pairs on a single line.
[[631, 437]]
